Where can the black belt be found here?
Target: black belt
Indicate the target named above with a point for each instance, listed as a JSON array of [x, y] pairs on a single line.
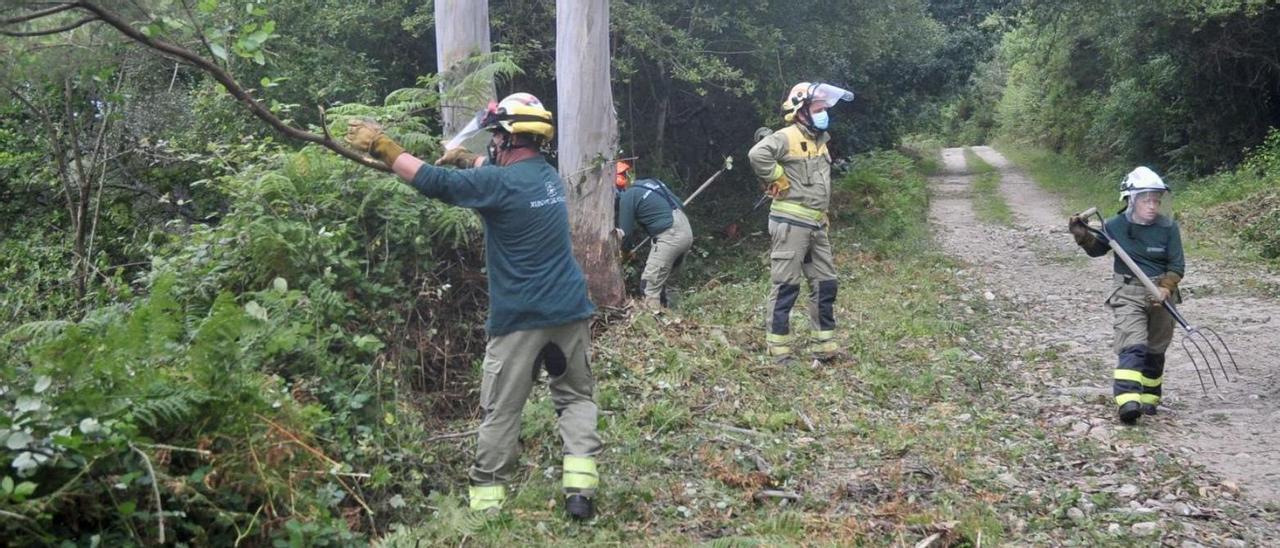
[[794, 222]]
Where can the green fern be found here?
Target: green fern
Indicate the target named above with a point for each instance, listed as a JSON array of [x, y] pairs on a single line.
[[325, 301], [452, 523], [406, 112], [477, 75], [168, 404], [453, 225], [99, 319], [35, 332]]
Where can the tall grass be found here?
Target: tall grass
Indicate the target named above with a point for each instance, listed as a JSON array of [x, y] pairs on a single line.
[[1231, 215], [988, 201]]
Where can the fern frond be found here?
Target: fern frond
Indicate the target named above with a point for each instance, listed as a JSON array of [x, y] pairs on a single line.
[[472, 79], [453, 225], [168, 405], [97, 320], [35, 332]]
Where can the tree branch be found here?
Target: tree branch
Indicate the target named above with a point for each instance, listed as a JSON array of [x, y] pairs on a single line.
[[55, 140], [233, 87], [155, 489], [46, 32], [37, 14], [199, 31]]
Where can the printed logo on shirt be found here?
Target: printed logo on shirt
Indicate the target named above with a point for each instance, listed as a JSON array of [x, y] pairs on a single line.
[[553, 195], [1155, 250]]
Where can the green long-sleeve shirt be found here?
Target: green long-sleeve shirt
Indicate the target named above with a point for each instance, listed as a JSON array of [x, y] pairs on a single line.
[[648, 203], [534, 280], [1156, 248]]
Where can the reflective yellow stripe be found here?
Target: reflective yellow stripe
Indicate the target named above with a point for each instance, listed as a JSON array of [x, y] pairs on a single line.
[[1128, 375], [1150, 398], [1126, 398], [777, 172], [580, 473], [779, 350], [777, 339], [1151, 382], [484, 497], [828, 347], [792, 208], [825, 335]]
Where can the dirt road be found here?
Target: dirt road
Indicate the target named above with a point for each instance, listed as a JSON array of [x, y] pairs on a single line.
[[1056, 329]]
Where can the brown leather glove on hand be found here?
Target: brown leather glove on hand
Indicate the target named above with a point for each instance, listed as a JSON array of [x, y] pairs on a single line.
[[459, 157], [368, 137], [1080, 230], [779, 187], [1168, 282]]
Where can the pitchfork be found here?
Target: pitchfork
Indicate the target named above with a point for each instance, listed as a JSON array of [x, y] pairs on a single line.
[[1190, 334]]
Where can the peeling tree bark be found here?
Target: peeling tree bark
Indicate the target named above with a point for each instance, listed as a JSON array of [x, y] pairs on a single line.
[[462, 30], [588, 139]]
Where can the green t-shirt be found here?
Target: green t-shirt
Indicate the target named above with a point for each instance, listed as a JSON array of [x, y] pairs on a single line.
[[649, 203], [1156, 248], [534, 280]]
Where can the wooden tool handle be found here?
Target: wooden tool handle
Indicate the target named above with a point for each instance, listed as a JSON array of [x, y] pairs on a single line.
[[1133, 267]]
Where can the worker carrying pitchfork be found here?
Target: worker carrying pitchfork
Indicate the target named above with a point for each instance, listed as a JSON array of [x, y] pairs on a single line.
[[1145, 229]]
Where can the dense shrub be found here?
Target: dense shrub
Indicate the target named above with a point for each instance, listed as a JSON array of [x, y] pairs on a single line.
[[883, 195], [272, 356]]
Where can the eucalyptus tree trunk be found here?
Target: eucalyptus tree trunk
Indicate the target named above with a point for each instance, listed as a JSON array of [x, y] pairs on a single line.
[[462, 31], [588, 137]]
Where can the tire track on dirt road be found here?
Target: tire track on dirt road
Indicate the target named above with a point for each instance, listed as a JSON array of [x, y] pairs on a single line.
[[1054, 327]]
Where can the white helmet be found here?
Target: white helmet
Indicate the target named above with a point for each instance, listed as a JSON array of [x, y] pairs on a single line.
[[1140, 180]]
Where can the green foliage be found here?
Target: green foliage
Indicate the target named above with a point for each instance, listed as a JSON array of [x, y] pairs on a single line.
[[883, 196], [123, 395], [1230, 213], [1148, 83], [988, 201], [1244, 201], [296, 317], [402, 110]]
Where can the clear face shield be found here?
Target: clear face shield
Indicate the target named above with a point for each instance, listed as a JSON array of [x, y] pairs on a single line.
[[471, 136], [1150, 207], [828, 95]]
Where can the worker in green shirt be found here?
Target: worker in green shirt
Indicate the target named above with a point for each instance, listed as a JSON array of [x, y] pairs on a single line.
[[1145, 229], [648, 208], [538, 305]]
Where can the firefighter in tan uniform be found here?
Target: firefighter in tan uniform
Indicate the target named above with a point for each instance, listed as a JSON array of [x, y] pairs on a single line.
[[795, 162]]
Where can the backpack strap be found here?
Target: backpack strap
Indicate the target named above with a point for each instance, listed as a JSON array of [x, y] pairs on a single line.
[[661, 188]]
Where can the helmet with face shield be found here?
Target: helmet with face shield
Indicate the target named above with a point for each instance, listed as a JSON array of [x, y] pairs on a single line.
[[1148, 201]]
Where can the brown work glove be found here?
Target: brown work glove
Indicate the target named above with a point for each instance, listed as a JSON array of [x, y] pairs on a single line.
[[779, 187], [367, 137], [1080, 230], [459, 157], [1167, 284]]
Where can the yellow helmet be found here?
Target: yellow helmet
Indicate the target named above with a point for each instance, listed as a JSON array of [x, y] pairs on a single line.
[[520, 113]]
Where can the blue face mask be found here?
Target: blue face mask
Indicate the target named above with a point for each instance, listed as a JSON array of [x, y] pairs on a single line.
[[821, 120]]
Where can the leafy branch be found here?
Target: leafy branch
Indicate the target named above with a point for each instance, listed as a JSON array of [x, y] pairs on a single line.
[[97, 12]]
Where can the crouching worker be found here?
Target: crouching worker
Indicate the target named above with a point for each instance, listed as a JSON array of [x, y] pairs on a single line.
[[538, 305], [651, 207], [1143, 327]]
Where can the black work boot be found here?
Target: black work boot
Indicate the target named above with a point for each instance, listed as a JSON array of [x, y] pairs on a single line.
[[1129, 412], [579, 506], [1148, 409]]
